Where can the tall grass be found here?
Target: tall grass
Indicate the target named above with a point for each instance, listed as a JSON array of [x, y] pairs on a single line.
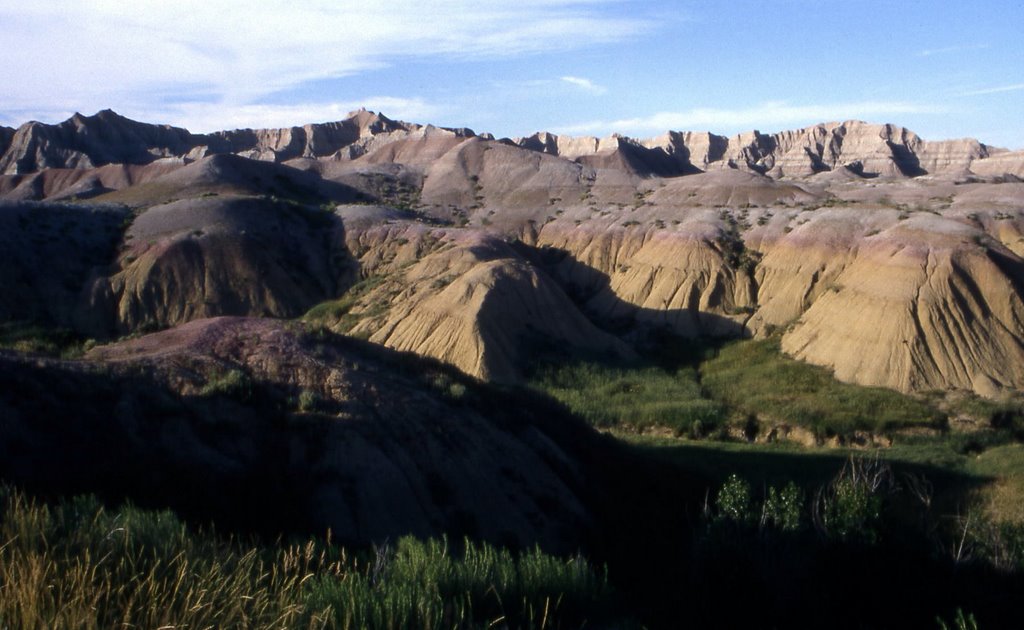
[[742, 379], [638, 398], [75, 564], [754, 377]]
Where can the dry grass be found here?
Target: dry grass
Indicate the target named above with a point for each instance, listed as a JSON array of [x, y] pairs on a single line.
[[75, 564]]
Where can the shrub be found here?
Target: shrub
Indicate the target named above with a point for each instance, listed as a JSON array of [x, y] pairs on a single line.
[[850, 508], [308, 400], [734, 502], [783, 508], [234, 384]]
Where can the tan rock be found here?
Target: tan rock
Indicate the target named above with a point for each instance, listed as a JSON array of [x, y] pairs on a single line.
[[480, 307], [920, 307]]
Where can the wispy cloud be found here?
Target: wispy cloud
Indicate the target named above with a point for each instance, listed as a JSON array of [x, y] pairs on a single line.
[[951, 49], [206, 117], [144, 53], [585, 84], [1016, 87], [761, 116], [201, 117]]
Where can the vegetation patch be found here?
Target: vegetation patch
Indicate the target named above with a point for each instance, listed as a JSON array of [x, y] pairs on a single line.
[[635, 399], [42, 339], [698, 391], [337, 313], [233, 383], [755, 378], [75, 564]]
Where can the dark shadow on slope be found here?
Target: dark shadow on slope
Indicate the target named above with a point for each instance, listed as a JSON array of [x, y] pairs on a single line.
[[51, 251], [641, 161], [741, 576], [221, 254], [668, 338], [244, 455], [244, 459], [906, 160]]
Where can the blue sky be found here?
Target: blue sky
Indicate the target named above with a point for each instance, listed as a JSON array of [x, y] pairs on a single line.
[[593, 67]]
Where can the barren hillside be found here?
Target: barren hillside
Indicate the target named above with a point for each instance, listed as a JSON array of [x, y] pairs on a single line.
[[889, 259]]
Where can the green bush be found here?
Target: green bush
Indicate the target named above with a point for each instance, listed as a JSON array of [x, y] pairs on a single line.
[[852, 511], [234, 384], [783, 507], [308, 400], [43, 339], [734, 502], [337, 313], [850, 508]]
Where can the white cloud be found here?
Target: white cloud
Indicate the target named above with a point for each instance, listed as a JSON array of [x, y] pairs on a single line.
[[760, 116], [138, 54], [1016, 87], [951, 49], [585, 84], [207, 117]]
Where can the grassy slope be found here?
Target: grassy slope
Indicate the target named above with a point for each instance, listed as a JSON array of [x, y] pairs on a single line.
[[640, 398], [743, 380], [753, 377]]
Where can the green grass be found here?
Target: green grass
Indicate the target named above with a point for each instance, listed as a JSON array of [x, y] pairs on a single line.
[[233, 383], [75, 564], [41, 339], [742, 380], [754, 377], [337, 313], [637, 398], [1003, 499]]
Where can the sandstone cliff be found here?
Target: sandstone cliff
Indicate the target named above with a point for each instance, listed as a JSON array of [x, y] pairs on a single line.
[[469, 300], [868, 149], [925, 304]]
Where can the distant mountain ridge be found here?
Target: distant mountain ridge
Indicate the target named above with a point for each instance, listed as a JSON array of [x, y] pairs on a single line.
[[109, 138], [865, 149]]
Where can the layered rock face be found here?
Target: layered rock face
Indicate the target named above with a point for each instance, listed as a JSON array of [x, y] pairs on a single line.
[[871, 150], [479, 306], [204, 257], [935, 310], [354, 133], [1000, 164]]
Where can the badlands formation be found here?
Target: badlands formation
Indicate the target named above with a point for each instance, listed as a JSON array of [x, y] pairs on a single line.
[[891, 260]]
